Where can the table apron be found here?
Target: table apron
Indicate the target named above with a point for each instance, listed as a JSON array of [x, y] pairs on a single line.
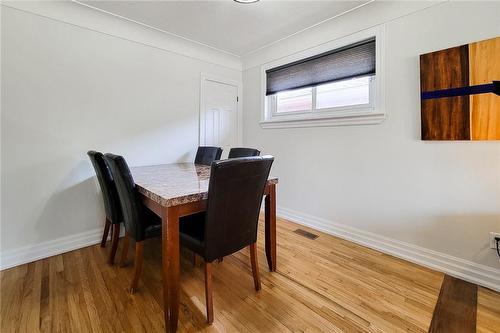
[[187, 208]]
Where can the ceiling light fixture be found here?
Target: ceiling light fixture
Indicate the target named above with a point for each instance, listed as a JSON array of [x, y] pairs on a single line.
[[246, 1]]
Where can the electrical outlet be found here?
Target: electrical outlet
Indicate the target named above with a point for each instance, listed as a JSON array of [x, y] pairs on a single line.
[[493, 243]]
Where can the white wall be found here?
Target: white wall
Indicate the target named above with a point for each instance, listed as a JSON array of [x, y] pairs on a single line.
[[75, 79], [67, 88], [381, 183]]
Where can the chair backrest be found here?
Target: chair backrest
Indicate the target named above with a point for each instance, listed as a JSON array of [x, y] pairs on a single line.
[[235, 194], [243, 152], [130, 203], [206, 155], [108, 187]]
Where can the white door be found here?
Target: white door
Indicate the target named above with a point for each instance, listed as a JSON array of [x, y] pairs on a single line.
[[219, 116]]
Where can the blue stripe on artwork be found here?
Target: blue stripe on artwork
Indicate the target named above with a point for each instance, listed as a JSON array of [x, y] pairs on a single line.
[[462, 91]]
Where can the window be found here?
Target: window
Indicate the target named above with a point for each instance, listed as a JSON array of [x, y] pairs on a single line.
[[294, 100], [344, 93], [328, 88], [341, 94]]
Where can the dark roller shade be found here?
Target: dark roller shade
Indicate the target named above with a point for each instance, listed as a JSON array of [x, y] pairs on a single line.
[[347, 62]]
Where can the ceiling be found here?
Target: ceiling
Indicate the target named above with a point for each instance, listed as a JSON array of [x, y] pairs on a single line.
[[232, 27]]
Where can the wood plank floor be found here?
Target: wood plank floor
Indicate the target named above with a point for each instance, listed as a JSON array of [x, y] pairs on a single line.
[[322, 285]]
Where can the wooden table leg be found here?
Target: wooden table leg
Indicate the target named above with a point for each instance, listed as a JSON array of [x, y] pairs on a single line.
[[171, 269], [270, 215]]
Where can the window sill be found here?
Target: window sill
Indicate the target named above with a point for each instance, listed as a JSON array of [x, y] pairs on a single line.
[[324, 121]]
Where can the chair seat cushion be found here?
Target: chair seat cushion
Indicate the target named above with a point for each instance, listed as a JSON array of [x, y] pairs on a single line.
[[152, 224], [153, 231], [192, 232]]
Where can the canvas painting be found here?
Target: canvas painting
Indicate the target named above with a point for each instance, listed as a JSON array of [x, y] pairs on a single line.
[[460, 92]]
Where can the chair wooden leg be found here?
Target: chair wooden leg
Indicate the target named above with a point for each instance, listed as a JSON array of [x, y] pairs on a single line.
[[107, 225], [114, 243], [139, 258], [125, 246], [208, 293], [255, 266]]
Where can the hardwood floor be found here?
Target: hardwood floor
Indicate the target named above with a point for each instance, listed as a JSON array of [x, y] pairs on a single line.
[[321, 285], [488, 311]]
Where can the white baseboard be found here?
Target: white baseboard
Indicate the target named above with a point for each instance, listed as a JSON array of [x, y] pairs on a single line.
[[476, 273], [466, 270], [26, 254]]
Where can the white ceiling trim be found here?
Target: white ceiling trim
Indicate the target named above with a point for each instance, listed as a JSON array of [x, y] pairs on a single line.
[[240, 56], [73, 13], [366, 17], [157, 29], [96, 19], [307, 28]]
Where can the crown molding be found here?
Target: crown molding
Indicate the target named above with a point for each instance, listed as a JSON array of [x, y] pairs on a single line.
[[370, 15], [157, 29], [306, 28], [86, 17]]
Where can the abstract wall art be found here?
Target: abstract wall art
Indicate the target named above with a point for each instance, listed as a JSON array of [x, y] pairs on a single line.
[[460, 92]]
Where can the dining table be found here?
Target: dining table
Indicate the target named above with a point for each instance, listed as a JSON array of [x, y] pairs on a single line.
[[175, 190]]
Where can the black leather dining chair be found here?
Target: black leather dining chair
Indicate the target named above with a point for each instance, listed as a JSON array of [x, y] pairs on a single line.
[[206, 155], [140, 222], [112, 206], [243, 152], [235, 193]]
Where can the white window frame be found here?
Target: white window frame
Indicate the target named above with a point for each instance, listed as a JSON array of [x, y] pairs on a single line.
[[366, 114], [272, 100]]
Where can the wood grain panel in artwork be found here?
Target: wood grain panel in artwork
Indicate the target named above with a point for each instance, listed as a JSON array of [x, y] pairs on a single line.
[[485, 108], [456, 307], [445, 118]]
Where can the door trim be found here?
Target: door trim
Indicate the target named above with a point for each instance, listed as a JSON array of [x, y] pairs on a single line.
[[215, 78]]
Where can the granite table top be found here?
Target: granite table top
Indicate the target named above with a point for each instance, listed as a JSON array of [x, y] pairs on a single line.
[[175, 184]]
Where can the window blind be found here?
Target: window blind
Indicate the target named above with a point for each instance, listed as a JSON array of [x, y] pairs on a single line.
[[351, 61]]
